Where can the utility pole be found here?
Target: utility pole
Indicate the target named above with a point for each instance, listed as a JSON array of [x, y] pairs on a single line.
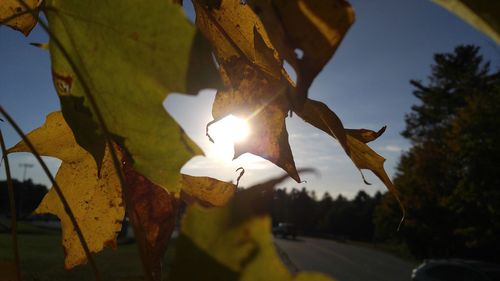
[[25, 166]]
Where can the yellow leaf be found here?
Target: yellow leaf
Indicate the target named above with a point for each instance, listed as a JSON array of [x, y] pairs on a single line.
[[95, 201], [484, 15], [209, 191], [25, 21]]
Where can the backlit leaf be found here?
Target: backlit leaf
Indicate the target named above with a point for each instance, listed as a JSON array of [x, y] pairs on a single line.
[[306, 33], [207, 191], [25, 21], [153, 210], [233, 242], [129, 55], [252, 73], [95, 201], [353, 141], [482, 14]]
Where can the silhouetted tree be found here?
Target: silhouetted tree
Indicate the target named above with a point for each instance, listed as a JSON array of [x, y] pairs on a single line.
[[449, 178]]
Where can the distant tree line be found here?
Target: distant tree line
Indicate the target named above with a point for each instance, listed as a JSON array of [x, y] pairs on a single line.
[[27, 196], [336, 218]]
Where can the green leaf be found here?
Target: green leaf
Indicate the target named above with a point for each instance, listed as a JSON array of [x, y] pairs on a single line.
[[129, 55], [233, 242], [484, 15]]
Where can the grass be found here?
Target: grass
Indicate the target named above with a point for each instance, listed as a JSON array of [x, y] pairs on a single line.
[[42, 258]]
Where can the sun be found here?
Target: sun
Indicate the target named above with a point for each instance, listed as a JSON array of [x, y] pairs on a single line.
[[225, 133], [230, 129]]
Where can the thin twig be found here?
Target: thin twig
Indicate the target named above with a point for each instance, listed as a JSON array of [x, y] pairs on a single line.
[[241, 174], [58, 190], [12, 201], [116, 162]]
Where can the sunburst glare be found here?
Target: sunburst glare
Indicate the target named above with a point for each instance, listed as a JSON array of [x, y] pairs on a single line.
[[226, 132]]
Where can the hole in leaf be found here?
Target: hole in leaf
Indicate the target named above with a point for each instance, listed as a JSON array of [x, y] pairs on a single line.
[[299, 53], [289, 69]]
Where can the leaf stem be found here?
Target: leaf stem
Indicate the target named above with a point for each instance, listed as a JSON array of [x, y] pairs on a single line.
[[58, 190], [12, 201]]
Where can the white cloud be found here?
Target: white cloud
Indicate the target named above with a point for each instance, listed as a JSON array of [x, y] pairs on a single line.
[[392, 148]]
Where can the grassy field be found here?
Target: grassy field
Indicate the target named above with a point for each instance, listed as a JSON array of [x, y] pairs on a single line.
[[42, 258]]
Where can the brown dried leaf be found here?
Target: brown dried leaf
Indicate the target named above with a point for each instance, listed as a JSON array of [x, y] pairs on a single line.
[[25, 21], [353, 141], [152, 210], [314, 28], [252, 74], [95, 201]]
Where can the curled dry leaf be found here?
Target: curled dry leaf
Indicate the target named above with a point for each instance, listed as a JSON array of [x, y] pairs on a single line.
[[129, 56], [233, 242], [95, 201], [14, 14], [306, 33], [353, 141], [252, 74]]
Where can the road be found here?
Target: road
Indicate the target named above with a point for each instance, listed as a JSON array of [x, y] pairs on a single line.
[[344, 262]]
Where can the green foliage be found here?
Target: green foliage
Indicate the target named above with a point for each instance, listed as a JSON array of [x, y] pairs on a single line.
[[448, 178], [128, 55]]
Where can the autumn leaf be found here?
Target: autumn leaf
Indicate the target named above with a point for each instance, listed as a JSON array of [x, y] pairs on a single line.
[[129, 55], [352, 140], [233, 242], [206, 191], [306, 33], [152, 209], [95, 201], [14, 14], [484, 15], [252, 74]]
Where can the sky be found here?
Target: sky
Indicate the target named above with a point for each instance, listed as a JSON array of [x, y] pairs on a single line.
[[366, 83]]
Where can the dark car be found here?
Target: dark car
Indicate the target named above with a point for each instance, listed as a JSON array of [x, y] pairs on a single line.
[[285, 229], [456, 270]]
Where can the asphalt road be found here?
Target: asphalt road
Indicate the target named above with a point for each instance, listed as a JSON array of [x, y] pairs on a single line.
[[345, 262]]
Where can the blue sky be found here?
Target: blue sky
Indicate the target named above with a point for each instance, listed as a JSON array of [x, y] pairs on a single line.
[[366, 84]]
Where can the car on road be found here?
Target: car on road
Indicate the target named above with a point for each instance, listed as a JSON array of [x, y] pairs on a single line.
[[456, 270], [285, 229]]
